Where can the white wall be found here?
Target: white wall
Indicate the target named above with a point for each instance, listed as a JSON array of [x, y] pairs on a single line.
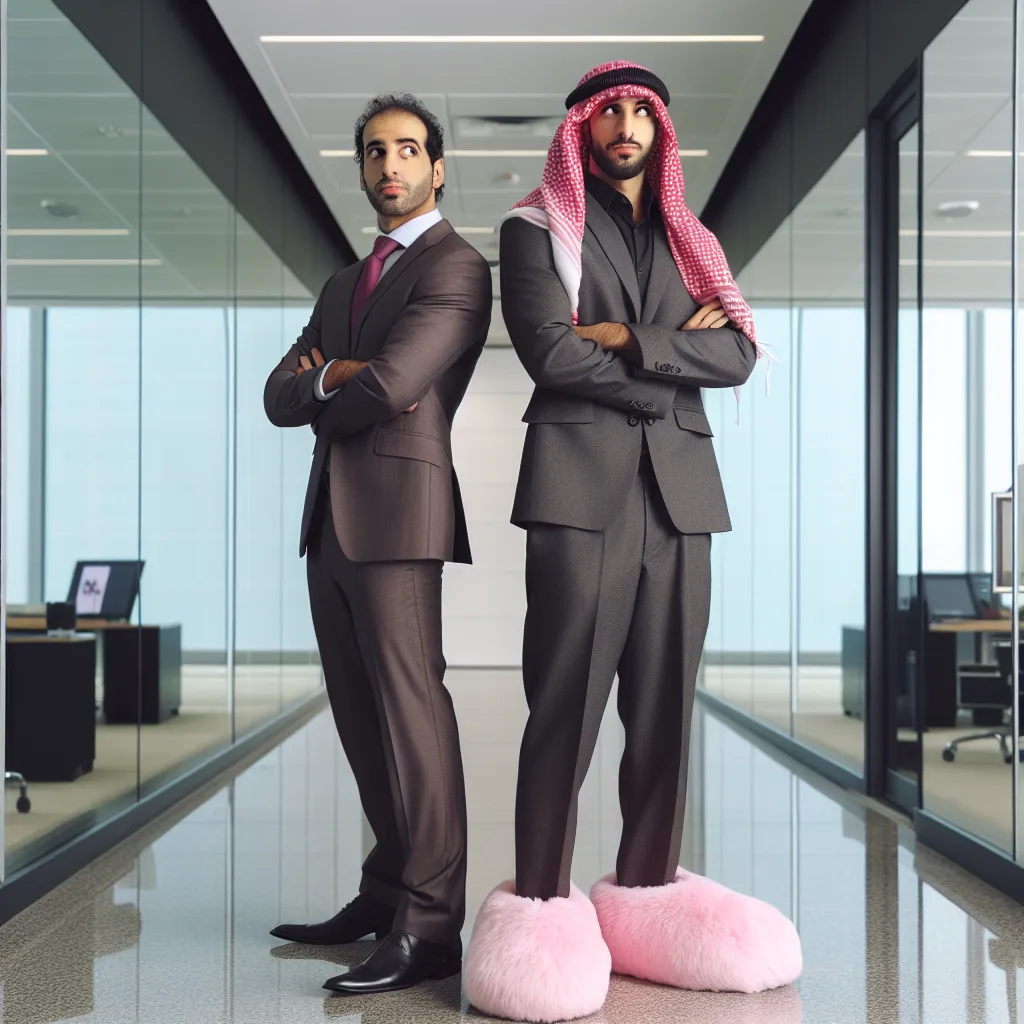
[[484, 603]]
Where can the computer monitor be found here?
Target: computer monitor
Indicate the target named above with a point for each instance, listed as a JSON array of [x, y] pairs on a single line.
[[103, 589], [981, 587], [949, 596]]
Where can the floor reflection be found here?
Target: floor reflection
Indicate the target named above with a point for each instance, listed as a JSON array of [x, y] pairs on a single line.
[[172, 926]]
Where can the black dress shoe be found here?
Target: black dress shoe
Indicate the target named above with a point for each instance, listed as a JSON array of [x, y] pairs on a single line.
[[400, 961], [362, 917]]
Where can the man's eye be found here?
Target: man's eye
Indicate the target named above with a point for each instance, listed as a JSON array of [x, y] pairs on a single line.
[[411, 150]]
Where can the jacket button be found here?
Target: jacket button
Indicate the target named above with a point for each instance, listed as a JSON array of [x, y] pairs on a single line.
[[649, 420], [634, 420]]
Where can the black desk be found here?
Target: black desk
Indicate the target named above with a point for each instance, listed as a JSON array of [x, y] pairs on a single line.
[[141, 665], [141, 673], [51, 706]]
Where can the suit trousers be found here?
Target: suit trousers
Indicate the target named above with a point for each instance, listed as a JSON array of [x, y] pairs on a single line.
[[632, 598], [378, 627]]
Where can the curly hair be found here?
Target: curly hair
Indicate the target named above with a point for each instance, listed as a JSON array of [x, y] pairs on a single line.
[[409, 105]]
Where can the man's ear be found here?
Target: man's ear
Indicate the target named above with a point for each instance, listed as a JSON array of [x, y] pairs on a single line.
[[439, 172]]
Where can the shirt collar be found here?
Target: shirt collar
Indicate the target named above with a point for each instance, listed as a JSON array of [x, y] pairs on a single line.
[[605, 194], [408, 232]]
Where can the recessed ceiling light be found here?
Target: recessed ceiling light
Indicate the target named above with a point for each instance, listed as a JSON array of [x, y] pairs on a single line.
[[67, 232], [493, 153], [28, 152], [959, 263], [501, 40], [84, 263], [958, 208], [990, 152], [951, 233]]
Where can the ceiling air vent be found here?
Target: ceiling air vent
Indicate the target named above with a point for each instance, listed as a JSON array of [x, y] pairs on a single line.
[[506, 126]]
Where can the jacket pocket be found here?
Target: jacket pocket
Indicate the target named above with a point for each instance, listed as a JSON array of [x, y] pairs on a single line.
[[407, 444], [547, 409], [695, 420]]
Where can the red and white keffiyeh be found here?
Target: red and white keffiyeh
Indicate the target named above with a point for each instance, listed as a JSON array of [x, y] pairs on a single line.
[[560, 206]]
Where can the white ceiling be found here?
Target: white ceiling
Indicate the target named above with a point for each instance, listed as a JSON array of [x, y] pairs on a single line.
[[316, 91], [64, 98], [107, 158]]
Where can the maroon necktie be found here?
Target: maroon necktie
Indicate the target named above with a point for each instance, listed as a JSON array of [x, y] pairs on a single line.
[[383, 247]]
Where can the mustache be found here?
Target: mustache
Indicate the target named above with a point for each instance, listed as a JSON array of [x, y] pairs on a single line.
[[624, 142]]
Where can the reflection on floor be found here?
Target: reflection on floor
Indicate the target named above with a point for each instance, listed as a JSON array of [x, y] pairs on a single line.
[[202, 726], [172, 926], [974, 792]]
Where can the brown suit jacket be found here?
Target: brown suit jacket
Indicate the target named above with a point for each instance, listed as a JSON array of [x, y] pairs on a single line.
[[591, 408], [394, 492]]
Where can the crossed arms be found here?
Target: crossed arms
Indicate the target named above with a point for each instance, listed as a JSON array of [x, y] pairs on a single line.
[[612, 364], [447, 313]]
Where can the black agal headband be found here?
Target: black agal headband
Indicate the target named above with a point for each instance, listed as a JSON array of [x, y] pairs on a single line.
[[615, 79]]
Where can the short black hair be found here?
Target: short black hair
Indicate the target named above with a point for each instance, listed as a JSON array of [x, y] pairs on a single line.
[[407, 103]]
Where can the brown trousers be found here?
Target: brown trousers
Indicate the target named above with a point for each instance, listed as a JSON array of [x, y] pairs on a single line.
[[378, 627]]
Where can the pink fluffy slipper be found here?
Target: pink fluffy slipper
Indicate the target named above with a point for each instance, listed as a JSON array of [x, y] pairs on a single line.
[[536, 960], [696, 934]]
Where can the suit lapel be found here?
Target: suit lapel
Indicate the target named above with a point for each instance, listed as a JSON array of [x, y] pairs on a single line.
[[430, 237], [607, 234], [661, 272]]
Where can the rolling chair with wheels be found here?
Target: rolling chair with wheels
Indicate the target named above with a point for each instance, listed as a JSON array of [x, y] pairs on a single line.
[[990, 689], [24, 805]]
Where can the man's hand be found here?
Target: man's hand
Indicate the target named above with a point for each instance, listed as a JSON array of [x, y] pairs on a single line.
[[710, 315], [305, 364], [611, 337], [341, 371]]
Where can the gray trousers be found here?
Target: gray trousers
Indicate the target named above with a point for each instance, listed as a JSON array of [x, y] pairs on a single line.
[[378, 627], [633, 598]]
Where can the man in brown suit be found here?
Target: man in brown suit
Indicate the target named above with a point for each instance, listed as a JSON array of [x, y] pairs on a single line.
[[379, 373]]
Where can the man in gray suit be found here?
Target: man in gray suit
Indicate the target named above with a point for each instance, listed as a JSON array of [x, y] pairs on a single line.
[[621, 308], [379, 372]]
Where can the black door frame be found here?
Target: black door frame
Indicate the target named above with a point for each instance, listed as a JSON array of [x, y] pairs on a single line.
[[889, 122]]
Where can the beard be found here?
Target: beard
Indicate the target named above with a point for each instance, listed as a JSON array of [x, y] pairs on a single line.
[[411, 198], [621, 170]]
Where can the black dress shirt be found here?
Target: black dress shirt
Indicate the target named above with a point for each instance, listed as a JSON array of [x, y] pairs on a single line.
[[639, 238]]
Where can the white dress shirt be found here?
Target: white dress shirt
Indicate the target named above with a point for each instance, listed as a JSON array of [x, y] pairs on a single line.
[[404, 235]]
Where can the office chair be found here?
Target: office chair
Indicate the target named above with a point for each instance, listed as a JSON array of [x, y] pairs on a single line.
[[24, 805], [985, 698]]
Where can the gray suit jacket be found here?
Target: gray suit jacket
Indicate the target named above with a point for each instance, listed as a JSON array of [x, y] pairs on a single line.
[[394, 492], [590, 407]]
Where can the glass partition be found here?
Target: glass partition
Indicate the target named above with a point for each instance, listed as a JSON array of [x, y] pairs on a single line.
[[142, 480], [787, 638], [966, 393]]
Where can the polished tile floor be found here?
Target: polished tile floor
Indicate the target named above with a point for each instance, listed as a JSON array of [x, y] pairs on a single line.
[[172, 926]]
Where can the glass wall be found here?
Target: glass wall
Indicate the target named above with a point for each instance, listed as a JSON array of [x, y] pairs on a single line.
[[787, 643], [142, 480], [966, 395]]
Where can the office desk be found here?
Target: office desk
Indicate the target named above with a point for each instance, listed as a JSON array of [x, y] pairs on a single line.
[[141, 667], [973, 626], [51, 706]]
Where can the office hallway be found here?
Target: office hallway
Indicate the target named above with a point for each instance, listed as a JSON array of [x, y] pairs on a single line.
[[172, 926]]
